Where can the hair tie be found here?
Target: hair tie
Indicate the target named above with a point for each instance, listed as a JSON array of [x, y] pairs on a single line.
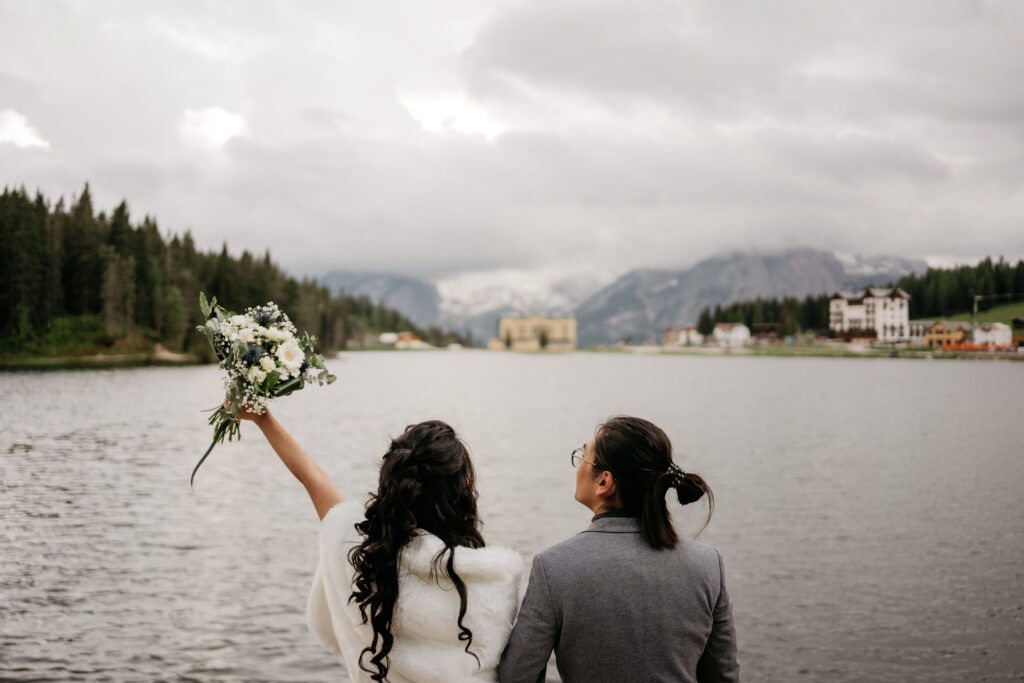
[[678, 475]]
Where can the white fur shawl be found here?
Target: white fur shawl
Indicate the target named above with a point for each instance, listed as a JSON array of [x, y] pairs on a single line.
[[424, 624]]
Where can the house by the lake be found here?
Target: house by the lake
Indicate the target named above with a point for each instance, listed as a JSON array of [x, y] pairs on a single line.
[[884, 311], [683, 336], [534, 333], [946, 332], [731, 335], [993, 335]]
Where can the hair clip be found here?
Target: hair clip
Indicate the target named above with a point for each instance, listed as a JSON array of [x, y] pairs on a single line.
[[676, 471]]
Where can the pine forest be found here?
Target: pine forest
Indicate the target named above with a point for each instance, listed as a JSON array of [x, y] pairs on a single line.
[[74, 282]]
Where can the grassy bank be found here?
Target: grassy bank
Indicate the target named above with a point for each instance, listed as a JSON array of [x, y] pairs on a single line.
[[1004, 313], [810, 351], [73, 342], [97, 362], [918, 353]]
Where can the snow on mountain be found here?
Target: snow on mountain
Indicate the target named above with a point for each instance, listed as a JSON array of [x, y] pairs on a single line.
[[860, 266], [475, 301], [636, 305], [639, 305], [476, 293]]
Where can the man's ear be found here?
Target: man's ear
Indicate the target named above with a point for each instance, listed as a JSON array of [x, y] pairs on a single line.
[[605, 485]]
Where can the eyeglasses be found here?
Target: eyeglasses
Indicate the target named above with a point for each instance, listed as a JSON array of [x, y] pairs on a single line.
[[577, 457]]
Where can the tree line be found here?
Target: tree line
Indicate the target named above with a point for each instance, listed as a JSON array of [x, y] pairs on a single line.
[[73, 279], [938, 293], [947, 291], [791, 314]]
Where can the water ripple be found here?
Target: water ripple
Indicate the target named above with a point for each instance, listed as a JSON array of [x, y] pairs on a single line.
[[869, 516]]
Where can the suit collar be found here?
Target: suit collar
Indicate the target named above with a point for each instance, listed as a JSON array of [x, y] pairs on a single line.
[[614, 524]]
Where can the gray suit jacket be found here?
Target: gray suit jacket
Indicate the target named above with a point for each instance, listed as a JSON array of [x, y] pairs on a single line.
[[615, 609]]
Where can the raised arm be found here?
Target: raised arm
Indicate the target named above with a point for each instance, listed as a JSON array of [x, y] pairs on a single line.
[[318, 485]]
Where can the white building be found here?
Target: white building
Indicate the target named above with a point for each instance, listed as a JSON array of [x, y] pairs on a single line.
[[691, 337], [731, 335], [683, 336], [993, 334], [886, 311]]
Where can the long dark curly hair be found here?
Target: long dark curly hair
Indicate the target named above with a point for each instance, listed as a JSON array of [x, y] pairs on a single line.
[[426, 482]]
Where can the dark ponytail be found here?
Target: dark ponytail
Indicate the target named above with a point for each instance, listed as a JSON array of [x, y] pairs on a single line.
[[638, 455], [426, 482]]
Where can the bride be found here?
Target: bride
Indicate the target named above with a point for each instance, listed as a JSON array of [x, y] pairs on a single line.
[[405, 589]]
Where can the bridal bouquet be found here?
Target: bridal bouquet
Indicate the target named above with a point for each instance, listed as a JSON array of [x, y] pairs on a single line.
[[262, 358]]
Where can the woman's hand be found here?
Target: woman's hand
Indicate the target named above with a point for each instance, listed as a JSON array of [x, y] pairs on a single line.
[[245, 414]]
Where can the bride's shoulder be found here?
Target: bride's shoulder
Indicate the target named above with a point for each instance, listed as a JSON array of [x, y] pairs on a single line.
[[489, 560], [341, 519], [487, 563]]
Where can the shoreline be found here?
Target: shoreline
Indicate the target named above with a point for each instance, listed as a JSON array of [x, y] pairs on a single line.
[[164, 358], [99, 361], [781, 351]]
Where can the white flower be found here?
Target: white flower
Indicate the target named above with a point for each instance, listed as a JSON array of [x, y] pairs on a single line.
[[255, 375], [246, 336], [278, 335], [238, 320], [213, 325], [267, 363], [291, 357]]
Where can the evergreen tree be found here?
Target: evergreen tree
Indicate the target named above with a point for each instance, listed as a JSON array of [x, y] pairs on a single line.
[[175, 319], [705, 323]]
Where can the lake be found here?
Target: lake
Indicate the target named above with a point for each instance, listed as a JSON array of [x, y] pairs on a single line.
[[869, 511]]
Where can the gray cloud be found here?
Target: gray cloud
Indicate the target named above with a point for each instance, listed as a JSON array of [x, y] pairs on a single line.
[[635, 134]]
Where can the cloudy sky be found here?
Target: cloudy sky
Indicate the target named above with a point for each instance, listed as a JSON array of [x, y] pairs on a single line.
[[452, 136]]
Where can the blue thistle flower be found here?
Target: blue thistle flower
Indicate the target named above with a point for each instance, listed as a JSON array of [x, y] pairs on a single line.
[[265, 318], [304, 366], [253, 354]]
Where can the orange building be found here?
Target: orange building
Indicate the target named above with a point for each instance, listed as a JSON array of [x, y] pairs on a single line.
[[946, 333]]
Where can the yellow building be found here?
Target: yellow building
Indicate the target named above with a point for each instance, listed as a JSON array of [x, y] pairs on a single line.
[[534, 333], [946, 333]]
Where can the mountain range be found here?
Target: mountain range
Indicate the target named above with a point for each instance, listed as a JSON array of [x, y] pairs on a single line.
[[638, 305], [417, 300]]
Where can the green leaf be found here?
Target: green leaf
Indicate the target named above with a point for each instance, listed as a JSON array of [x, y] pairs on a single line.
[[204, 305], [270, 380], [331, 379], [287, 387]]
